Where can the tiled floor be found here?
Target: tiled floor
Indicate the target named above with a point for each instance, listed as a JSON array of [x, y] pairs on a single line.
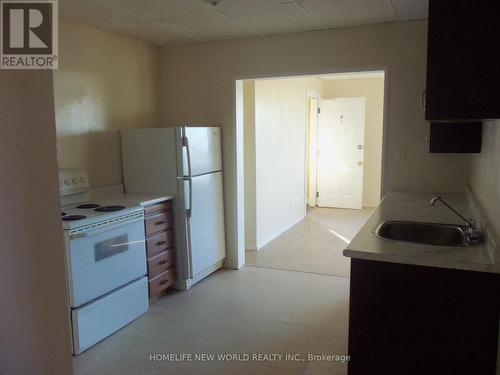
[[250, 311], [256, 310], [315, 244]]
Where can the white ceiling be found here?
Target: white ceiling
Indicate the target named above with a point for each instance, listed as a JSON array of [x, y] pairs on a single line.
[[176, 21]]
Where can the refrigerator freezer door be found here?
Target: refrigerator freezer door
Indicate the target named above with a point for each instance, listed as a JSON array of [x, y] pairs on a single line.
[[205, 150], [206, 225]]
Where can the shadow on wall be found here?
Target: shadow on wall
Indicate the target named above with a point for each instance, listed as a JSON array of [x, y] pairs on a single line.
[[105, 82], [98, 152]]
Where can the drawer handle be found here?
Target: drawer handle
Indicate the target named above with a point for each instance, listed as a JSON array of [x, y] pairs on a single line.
[[160, 222], [159, 243], [161, 263], [163, 282]]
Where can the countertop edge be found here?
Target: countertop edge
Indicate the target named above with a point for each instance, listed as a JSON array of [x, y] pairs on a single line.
[[419, 261], [116, 194], [366, 231], [152, 201]]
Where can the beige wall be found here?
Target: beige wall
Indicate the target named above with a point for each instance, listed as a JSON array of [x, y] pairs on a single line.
[[250, 168], [373, 90], [485, 173], [105, 82], [199, 87], [280, 147], [34, 331], [485, 181]]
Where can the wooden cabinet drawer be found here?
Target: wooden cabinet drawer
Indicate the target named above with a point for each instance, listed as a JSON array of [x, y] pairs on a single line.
[[156, 208], [158, 222], [161, 282], [160, 262], [158, 243]]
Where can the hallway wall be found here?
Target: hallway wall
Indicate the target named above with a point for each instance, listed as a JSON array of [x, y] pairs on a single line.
[[276, 142]]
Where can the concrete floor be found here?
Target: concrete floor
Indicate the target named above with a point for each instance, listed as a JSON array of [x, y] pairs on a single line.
[[250, 311], [315, 244]]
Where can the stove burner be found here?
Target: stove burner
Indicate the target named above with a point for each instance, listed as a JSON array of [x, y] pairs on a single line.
[[88, 205], [73, 217], [109, 208]]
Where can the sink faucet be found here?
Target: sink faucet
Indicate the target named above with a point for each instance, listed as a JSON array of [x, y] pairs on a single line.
[[473, 234], [468, 222]]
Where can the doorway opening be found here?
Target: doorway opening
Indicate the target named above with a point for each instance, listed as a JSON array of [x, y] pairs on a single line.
[[313, 166]]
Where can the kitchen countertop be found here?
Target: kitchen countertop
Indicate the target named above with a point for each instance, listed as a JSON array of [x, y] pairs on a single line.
[[114, 195], [415, 206]]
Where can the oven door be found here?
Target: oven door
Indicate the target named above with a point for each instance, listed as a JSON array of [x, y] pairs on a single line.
[[104, 259]]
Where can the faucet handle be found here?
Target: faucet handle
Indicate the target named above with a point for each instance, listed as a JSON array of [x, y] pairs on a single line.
[[474, 236], [471, 223]]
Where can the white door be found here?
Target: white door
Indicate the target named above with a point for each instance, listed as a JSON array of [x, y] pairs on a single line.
[[341, 129], [206, 224], [204, 149]]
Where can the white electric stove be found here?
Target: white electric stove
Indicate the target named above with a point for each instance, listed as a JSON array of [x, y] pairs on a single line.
[[105, 261]]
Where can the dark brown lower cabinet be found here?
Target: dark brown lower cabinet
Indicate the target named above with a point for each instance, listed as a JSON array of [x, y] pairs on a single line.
[[406, 319], [160, 252]]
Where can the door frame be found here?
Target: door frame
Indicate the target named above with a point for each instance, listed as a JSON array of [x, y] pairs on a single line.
[[238, 254], [310, 94]]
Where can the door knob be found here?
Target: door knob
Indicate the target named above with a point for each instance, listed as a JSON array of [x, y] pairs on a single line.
[[360, 163]]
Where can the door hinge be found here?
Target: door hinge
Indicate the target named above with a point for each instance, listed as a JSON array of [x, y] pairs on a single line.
[[184, 141], [317, 194], [319, 110]]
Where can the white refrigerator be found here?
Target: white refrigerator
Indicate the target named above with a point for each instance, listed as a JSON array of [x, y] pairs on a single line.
[[185, 161]]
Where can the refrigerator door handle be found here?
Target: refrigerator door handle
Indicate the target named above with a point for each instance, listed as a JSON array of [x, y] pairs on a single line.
[[190, 184], [188, 157], [188, 231], [190, 193], [185, 143], [188, 263], [187, 210]]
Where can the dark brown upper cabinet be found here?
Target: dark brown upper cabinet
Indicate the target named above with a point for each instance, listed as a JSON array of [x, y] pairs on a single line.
[[452, 137], [463, 60]]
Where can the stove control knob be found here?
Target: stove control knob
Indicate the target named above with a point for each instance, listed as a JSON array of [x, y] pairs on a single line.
[[82, 180], [75, 180], [67, 182]]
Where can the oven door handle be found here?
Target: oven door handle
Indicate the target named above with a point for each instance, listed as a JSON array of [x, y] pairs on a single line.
[[92, 232]]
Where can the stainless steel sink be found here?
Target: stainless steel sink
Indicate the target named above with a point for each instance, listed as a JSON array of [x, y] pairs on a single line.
[[425, 233]]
